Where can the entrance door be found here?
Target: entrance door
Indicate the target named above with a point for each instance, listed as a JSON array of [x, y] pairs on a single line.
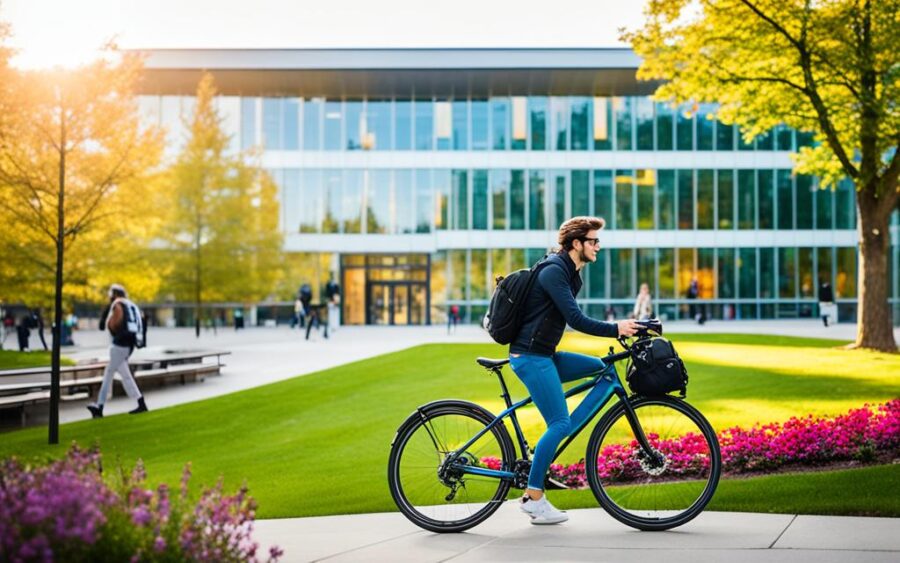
[[396, 303]]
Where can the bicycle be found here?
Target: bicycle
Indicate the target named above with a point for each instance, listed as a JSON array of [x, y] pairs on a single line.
[[653, 463]]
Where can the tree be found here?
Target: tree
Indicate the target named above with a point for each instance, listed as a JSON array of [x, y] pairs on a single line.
[[223, 230], [70, 141], [827, 67]]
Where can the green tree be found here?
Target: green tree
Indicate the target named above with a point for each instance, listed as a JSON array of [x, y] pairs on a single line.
[[827, 67], [69, 142], [223, 231]]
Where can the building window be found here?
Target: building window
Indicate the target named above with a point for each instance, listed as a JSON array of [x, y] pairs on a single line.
[[705, 199], [746, 273], [766, 191], [785, 187], [480, 121], [705, 127], [806, 192], [459, 197], [581, 192], [517, 200], [684, 129], [726, 273], [402, 212], [622, 108], [310, 201], [624, 200], [312, 124], [666, 289], [559, 116], [352, 197], [824, 206], [845, 205], [665, 127], [643, 116], [645, 182], [845, 283], [424, 127], [460, 125], [355, 121], [537, 190], [685, 199], [603, 196], [403, 119], [248, 121], [725, 198], [537, 112], [621, 286], [331, 183], [443, 125], [441, 180], [724, 137], [519, 123], [787, 273], [580, 118], [558, 182], [480, 204], [378, 125], [500, 123], [333, 120], [665, 199], [425, 209], [746, 199]]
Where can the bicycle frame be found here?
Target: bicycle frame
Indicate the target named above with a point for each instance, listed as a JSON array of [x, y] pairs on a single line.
[[606, 383]]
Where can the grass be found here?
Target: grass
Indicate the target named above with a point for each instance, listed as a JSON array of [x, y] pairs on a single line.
[[318, 444], [10, 359]]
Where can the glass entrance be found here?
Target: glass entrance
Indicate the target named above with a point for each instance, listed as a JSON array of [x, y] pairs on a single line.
[[396, 303]]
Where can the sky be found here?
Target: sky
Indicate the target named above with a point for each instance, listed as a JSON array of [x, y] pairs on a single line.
[[51, 33]]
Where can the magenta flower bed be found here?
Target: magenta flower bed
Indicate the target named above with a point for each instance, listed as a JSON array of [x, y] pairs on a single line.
[[865, 434], [66, 511]]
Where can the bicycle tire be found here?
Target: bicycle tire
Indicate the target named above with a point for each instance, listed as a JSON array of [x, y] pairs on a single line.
[[500, 443], [646, 496]]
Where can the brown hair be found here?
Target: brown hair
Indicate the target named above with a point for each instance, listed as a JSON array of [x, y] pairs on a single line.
[[577, 228]]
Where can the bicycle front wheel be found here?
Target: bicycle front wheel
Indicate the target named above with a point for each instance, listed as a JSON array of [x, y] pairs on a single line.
[[431, 493], [662, 491]]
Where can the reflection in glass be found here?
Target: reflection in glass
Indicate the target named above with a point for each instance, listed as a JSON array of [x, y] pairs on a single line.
[[603, 196], [621, 262], [726, 273], [845, 283], [596, 276], [845, 205], [706, 272], [764, 141], [766, 198], [272, 123], [311, 201], [439, 286], [665, 127], [499, 197], [685, 199], [824, 206], [725, 193], [705, 199], [480, 122], [787, 273], [403, 125], [806, 192], [705, 123], [724, 137], [537, 189], [378, 125], [580, 119], [559, 116], [824, 266], [581, 192], [622, 108], [441, 180], [480, 200], [459, 195], [460, 125], [646, 268], [784, 138], [312, 123], [378, 201], [537, 111], [624, 199], [500, 123], [424, 125], [443, 125], [746, 273], [457, 259], [519, 123], [333, 115], [686, 259], [517, 200], [355, 121], [332, 181], [684, 129], [645, 180], [767, 273], [666, 288], [665, 195], [643, 115], [805, 271], [352, 197], [402, 211], [785, 199], [746, 199], [558, 181], [424, 201], [478, 285], [602, 124]]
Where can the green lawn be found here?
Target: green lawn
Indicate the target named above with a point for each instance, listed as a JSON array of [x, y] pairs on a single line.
[[10, 359], [318, 444]]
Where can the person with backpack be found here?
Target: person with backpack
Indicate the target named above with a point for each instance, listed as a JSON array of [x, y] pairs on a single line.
[[547, 305], [127, 331]]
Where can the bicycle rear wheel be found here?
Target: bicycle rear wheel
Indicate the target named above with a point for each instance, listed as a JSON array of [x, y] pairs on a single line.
[[436, 497], [654, 494]]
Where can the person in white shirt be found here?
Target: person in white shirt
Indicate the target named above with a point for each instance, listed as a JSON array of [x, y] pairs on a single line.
[[643, 307]]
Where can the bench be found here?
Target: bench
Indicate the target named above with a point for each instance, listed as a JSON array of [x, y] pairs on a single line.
[[20, 401]]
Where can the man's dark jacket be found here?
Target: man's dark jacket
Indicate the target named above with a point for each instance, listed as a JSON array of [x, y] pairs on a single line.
[[551, 305]]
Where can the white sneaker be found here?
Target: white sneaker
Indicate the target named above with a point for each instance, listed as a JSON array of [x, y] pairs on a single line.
[[541, 511]]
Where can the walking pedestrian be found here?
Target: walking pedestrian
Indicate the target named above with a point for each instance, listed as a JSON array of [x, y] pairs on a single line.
[[124, 321], [827, 308], [333, 295], [643, 306]]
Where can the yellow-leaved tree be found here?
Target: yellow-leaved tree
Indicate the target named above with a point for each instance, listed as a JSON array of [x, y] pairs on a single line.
[[71, 151], [222, 233], [832, 68]]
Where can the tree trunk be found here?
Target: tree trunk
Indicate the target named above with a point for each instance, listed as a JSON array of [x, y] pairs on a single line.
[[874, 328]]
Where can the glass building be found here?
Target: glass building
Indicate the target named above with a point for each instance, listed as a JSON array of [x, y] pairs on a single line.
[[424, 174]]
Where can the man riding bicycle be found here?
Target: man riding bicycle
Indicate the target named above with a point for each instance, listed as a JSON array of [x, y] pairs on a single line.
[[550, 306]]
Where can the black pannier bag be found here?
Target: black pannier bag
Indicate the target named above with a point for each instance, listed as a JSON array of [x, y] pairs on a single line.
[[507, 308], [655, 368]]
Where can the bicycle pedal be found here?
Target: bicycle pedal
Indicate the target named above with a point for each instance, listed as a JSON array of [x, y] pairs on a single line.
[[554, 485]]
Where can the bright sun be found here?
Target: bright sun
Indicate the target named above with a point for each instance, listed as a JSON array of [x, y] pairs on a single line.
[[48, 33]]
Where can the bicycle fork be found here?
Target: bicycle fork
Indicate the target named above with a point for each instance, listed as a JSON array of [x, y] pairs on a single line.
[[652, 455]]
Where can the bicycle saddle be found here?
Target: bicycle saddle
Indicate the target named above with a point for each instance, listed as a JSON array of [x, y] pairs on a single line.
[[491, 364]]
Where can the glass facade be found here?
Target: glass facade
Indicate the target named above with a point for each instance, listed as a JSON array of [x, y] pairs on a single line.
[[507, 204]]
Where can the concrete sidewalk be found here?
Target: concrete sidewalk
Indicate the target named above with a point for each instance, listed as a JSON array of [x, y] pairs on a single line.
[[589, 535]]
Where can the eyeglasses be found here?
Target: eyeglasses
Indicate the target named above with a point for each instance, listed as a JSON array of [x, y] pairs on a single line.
[[592, 241]]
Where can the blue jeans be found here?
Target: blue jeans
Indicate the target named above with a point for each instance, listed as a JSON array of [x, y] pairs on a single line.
[[544, 376]]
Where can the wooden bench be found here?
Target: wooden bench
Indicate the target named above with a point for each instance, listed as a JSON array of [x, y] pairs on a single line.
[[20, 401]]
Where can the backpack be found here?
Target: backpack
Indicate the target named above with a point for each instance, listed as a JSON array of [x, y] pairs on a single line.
[[503, 319], [655, 368], [134, 323]]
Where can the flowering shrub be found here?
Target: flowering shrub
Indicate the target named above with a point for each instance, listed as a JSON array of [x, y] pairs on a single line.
[[863, 434], [66, 511]]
